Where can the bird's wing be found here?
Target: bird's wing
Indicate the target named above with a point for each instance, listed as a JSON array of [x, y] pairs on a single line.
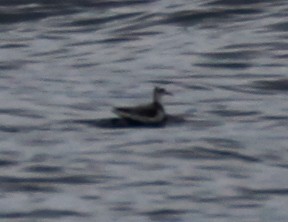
[[145, 113]]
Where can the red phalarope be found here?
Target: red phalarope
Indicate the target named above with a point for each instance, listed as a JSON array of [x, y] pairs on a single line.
[[152, 113]]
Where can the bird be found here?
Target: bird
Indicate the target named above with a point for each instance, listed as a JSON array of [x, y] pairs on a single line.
[[152, 113]]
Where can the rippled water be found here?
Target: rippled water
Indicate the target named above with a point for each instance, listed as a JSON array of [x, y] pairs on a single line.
[[64, 64]]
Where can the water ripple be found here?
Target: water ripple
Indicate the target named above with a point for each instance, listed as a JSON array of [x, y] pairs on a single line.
[[43, 213], [203, 153], [165, 214], [191, 17], [278, 84]]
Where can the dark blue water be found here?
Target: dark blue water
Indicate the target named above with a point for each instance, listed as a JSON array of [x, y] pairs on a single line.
[[65, 64]]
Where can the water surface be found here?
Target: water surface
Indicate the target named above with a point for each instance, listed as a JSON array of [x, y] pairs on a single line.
[[63, 65]]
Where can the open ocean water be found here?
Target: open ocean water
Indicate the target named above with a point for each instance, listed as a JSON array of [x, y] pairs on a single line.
[[65, 64]]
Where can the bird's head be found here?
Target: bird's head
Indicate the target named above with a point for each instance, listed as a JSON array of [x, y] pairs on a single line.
[[159, 92]]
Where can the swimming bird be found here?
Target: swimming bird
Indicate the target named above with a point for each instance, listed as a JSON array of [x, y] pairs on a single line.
[[152, 113]]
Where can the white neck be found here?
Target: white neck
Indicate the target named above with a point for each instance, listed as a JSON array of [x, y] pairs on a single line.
[[157, 98]]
